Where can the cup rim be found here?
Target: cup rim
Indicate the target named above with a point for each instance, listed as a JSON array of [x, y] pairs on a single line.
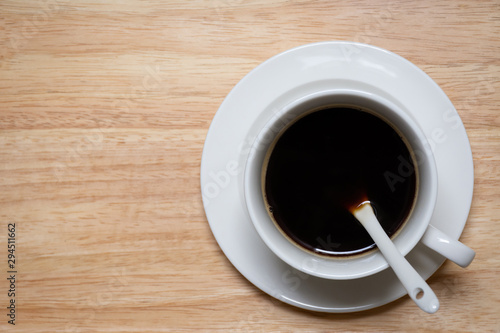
[[301, 259]]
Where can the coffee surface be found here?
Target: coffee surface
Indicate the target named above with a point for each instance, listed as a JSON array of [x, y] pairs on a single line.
[[331, 159]]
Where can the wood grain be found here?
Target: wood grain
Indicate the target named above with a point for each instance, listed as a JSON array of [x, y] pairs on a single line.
[[104, 108]]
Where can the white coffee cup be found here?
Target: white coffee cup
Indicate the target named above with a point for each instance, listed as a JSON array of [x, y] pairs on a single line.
[[415, 229]]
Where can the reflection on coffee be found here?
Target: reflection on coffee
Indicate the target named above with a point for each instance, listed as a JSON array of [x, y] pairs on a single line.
[[326, 159]]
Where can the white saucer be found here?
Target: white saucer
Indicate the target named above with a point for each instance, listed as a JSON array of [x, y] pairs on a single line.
[[284, 78]]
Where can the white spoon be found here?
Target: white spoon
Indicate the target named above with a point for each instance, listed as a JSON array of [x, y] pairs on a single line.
[[416, 286]]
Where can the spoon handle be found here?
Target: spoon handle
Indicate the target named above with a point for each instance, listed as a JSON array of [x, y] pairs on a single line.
[[416, 286]]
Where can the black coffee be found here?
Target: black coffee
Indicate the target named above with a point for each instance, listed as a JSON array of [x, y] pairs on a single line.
[[331, 159]]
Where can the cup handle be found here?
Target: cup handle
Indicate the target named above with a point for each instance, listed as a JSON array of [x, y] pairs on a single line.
[[459, 253]]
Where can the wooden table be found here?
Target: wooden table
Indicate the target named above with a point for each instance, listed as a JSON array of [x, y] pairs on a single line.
[[104, 108]]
